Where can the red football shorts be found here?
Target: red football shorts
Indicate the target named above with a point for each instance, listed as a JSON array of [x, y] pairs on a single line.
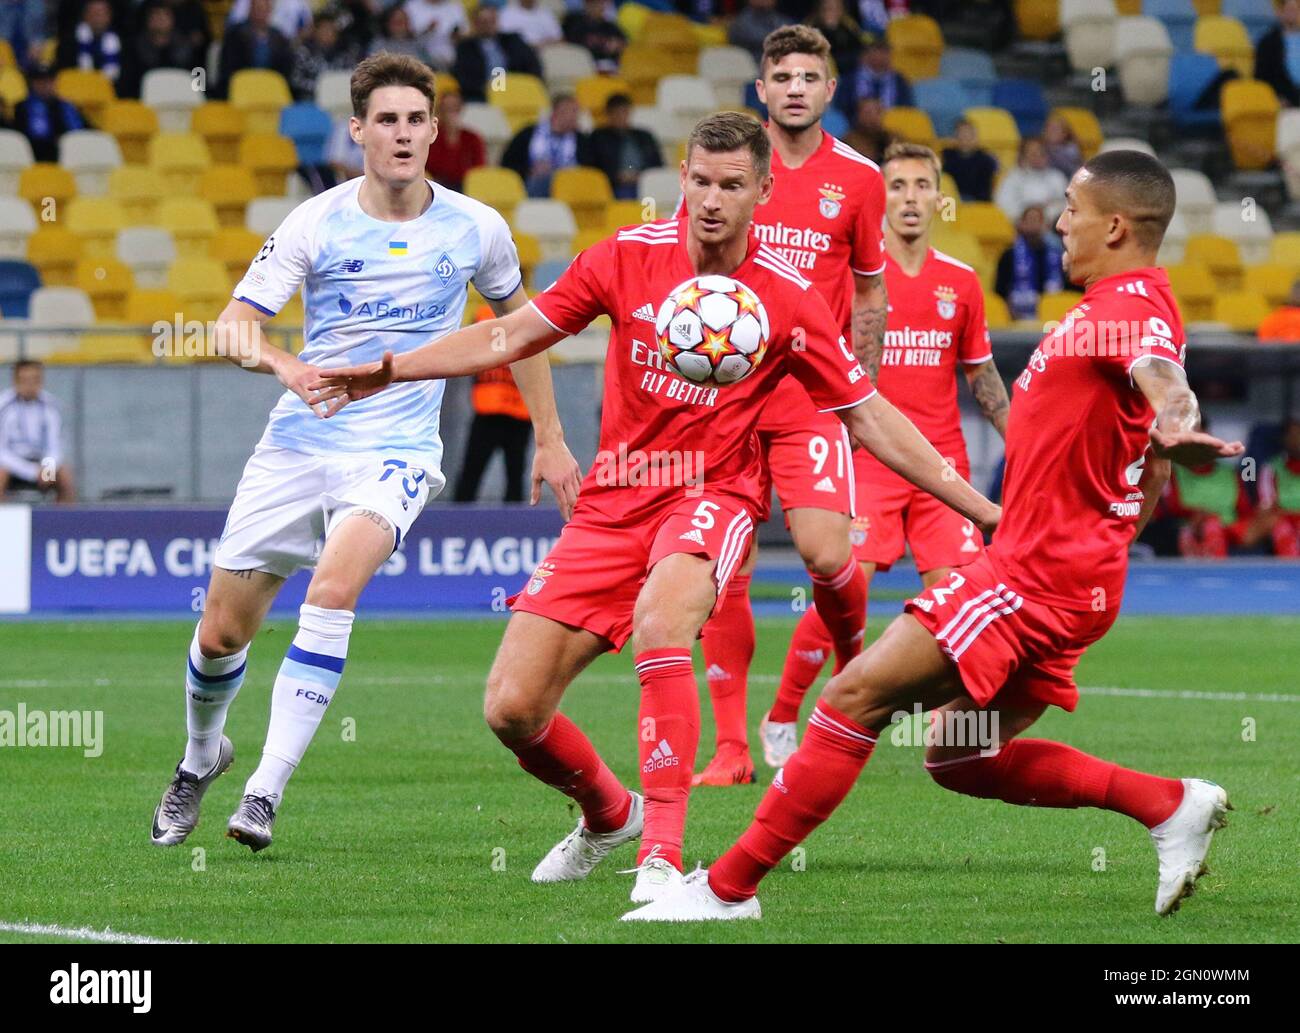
[[1005, 645], [892, 513], [593, 575], [810, 462]]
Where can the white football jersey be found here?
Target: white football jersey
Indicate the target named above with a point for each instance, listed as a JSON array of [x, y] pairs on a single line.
[[370, 287]]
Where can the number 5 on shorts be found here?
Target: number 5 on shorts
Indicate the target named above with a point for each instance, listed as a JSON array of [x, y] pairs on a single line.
[[703, 518]]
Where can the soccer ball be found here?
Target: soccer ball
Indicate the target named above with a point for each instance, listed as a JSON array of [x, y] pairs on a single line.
[[712, 330]]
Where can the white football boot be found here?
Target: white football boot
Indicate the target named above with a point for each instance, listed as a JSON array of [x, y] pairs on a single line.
[[178, 812], [574, 856], [1183, 839], [780, 740], [654, 877], [691, 900]]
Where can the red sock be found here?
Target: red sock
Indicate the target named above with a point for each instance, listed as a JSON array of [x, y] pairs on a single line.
[[1039, 773], [810, 647], [841, 602], [813, 782], [669, 736], [728, 642], [562, 757]]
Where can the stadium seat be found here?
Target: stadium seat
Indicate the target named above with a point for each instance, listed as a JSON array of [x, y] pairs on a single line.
[[235, 247], [973, 70], [1249, 109], [1190, 75], [192, 222], [106, 282], [917, 44], [266, 213], [497, 188], [910, 124], [687, 96], [17, 282], [551, 222], [61, 307], [522, 100], [591, 93], [229, 188], [1127, 143], [1272, 281], [172, 95], [221, 125], [148, 305], [1054, 307], [15, 155], [1089, 27], [943, 100], [623, 213], [631, 18], [1037, 20], [45, 183], [563, 64], [1024, 99], [260, 94], [669, 31], [309, 129], [529, 249], [997, 133], [664, 187], [1085, 127], [1258, 16], [270, 157], [665, 126], [334, 93], [1196, 199], [201, 285], [1285, 248], [97, 221], [1174, 246], [1247, 224], [180, 159], [13, 88], [586, 192], [965, 248], [148, 251], [1194, 288], [88, 90], [587, 238], [139, 189], [1178, 18], [131, 123], [996, 313], [729, 70], [547, 272], [54, 250], [642, 67], [90, 155], [1143, 51], [443, 84], [988, 224], [1226, 40], [1219, 255], [491, 124], [1242, 311]]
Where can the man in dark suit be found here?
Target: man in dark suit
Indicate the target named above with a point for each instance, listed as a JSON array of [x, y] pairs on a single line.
[[1277, 54], [622, 151], [485, 50], [255, 43]]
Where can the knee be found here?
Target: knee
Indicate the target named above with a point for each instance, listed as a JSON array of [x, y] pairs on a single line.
[[959, 771], [853, 696], [511, 711], [217, 640], [656, 630], [825, 558], [331, 593]]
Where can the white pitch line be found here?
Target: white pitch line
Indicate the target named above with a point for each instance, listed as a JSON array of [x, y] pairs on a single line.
[[1218, 697], [104, 935]]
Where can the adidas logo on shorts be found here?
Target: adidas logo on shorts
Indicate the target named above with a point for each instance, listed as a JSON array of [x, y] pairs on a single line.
[[693, 535], [825, 484], [662, 757]]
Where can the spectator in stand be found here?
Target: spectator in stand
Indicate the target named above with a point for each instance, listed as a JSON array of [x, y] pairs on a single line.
[[31, 452], [537, 151], [622, 151], [94, 45], [1215, 509], [396, 37], [531, 22], [292, 17], [487, 49], [440, 24], [971, 167], [1062, 148], [342, 153], [591, 29], [22, 23], [1284, 324], [875, 15], [876, 77], [869, 137], [751, 26], [324, 50], [1030, 267], [45, 116], [191, 23], [157, 45], [255, 43], [358, 23], [1277, 54], [1279, 493], [501, 422], [840, 30], [456, 149], [1032, 182]]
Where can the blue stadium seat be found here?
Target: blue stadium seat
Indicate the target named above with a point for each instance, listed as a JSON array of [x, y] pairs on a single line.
[[1189, 76], [546, 273], [1024, 99], [974, 70], [835, 122], [17, 281], [309, 128], [1257, 15], [943, 100], [1179, 17]]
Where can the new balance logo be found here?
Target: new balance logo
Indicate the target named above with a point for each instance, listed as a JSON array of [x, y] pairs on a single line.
[[825, 484], [645, 312], [717, 672], [661, 757], [692, 535]]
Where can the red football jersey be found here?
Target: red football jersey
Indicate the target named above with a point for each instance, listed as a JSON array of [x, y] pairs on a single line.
[[936, 322], [1076, 440], [649, 410]]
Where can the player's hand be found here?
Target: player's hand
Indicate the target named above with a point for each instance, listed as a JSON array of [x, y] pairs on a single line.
[[989, 523], [554, 464], [297, 376], [1192, 447], [334, 388]]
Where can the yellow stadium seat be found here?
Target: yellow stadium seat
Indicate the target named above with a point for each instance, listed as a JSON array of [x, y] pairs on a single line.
[[948, 186], [260, 94], [192, 222], [997, 133], [910, 124], [181, 159], [105, 348], [917, 43], [88, 90], [270, 157], [586, 191], [593, 91], [291, 314], [988, 224], [202, 286], [1125, 8], [1220, 257], [7, 59], [1204, 7], [1194, 288], [623, 213], [1240, 310], [1272, 281], [671, 32], [586, 238], [235, 247], [13, 87], [132, 124], [54, 250], [501, 189], [631, 18], [522, 101], [1285, 247], [964, 247], [229, 188], [1038, 19], [1249, 110], [146, 307], [530, 253], [643, 66], [1085, 127], [1228, 41], [139, 188], [1054, 307], [96, 220], [40, 182], [221, 124], [996, 313], [445, 83], [107, 282]]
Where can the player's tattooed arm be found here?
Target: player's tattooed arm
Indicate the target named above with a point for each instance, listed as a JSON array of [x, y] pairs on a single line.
[[870, 309], [990, 393], [1176, 434]]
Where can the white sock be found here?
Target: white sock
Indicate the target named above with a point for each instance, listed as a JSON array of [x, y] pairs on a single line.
[[304, 687], [210, 687]]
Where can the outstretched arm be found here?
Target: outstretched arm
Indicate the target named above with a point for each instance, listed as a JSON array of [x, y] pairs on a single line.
[[1176, 435], [990, 393]]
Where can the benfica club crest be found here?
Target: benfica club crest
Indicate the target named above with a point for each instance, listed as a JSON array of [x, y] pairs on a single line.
[[858, 534], [538, 581], [829, 205], [947, 302]]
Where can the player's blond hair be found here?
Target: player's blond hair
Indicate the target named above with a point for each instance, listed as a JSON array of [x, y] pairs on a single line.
[[732, 131], [388, 69], [901, 150]]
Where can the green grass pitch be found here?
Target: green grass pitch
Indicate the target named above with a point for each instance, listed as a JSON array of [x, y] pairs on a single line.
[[424, 828]]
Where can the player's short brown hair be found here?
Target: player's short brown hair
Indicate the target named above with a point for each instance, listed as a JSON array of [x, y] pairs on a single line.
[[794, 39], [901, 150], [732, 131], [388, 69], [1138, 186]]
